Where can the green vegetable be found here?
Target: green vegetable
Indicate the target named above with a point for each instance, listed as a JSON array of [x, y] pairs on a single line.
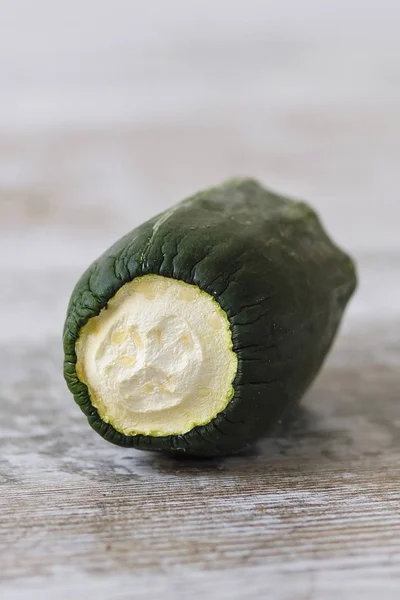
[[196, 331]]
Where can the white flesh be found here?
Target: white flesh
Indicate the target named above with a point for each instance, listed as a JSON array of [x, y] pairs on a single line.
[[159, 359]]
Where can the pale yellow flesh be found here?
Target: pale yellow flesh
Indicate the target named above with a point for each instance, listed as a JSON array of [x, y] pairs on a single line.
[[159, 360]]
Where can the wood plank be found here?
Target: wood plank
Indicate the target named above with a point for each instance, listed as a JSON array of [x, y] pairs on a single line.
[[312, 509], [101, 129]]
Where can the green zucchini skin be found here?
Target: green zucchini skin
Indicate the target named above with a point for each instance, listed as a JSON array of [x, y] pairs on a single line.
[[268, 262]]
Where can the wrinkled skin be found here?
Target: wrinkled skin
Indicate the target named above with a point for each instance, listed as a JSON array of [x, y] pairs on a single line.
[[268, 262]]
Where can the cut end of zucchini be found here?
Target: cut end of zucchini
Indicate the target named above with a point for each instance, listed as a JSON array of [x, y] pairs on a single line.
[[159, 359]]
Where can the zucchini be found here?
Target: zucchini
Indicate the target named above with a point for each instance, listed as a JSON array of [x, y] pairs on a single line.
[[197, 330]]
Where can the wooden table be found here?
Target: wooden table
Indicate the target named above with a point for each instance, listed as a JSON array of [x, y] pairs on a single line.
[[312, 513]]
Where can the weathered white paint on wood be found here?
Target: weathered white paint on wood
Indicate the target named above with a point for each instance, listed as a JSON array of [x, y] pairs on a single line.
[[314, 512], [85, 153]]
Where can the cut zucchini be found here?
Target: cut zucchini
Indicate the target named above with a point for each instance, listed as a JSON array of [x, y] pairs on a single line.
[[195, 332]]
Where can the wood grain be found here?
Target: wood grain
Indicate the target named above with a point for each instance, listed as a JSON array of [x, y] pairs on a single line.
[[312, 512], [103, 125]]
